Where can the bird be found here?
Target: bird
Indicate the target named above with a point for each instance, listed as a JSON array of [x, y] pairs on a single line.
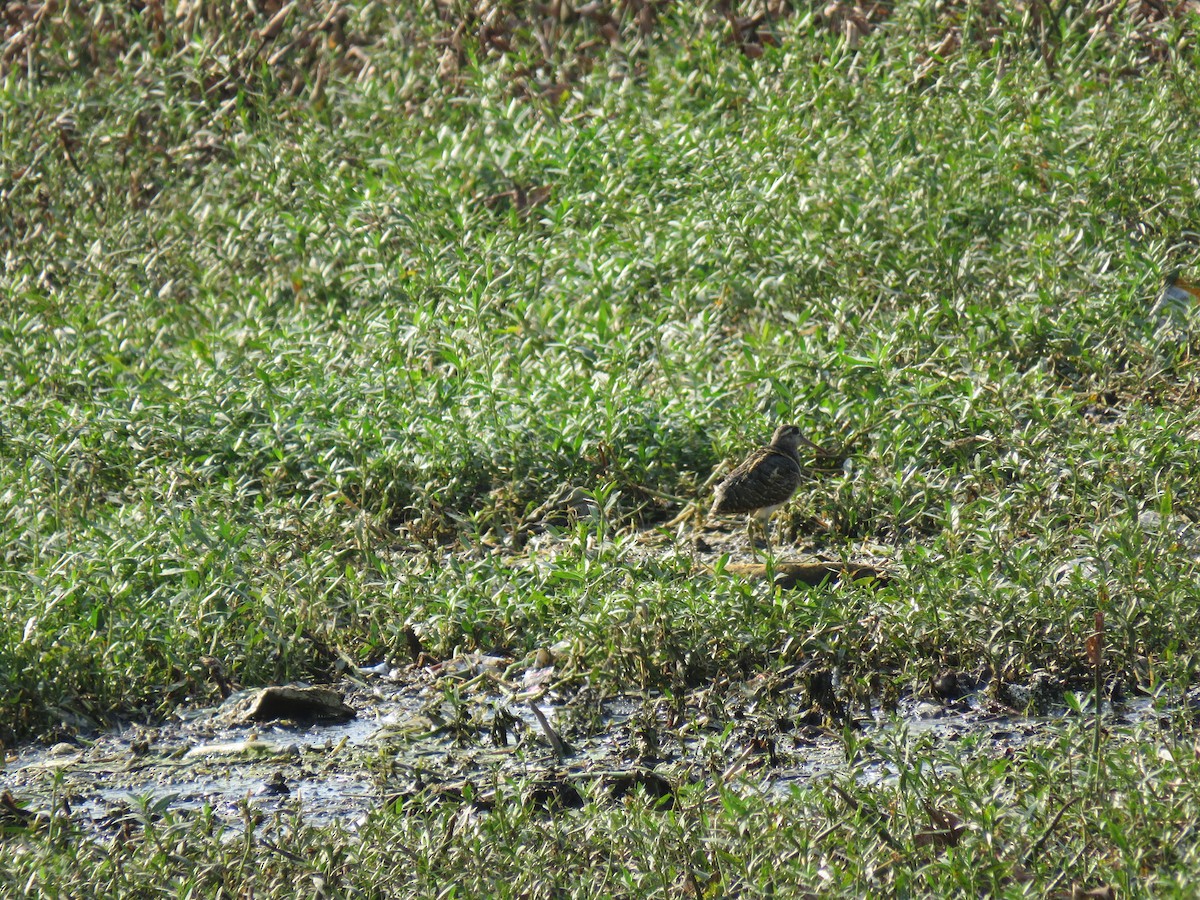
[[764, 481], [1178, 297]]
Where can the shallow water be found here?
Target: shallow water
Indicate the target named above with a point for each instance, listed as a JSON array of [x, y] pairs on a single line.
[[462, 723]]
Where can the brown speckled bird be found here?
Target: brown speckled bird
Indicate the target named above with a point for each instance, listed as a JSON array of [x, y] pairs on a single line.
[[764, 481]]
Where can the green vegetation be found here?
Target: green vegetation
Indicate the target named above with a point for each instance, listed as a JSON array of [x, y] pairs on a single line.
[[297, 326]]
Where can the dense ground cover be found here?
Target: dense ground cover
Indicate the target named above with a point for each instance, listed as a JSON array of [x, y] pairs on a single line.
[[304, 314]]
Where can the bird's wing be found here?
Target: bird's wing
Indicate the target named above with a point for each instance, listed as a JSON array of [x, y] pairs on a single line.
[[767, 478]]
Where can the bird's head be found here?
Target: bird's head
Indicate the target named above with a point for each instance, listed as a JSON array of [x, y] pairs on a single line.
[[789, 437]]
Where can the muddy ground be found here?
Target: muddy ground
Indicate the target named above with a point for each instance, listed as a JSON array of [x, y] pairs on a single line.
[[456, 729]]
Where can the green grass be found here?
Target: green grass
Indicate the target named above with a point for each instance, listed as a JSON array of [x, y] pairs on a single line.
[[284, 369]]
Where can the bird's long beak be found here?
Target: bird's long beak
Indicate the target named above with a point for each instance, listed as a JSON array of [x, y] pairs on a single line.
[[809, 443]]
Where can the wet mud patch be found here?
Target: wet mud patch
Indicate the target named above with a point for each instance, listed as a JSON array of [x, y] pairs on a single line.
[[456, 731]]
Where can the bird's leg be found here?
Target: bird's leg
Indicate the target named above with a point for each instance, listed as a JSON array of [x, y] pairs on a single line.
[[764, 526], [769, 559]]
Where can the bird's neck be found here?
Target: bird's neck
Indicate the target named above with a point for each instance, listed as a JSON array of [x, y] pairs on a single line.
[[787, 452]]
